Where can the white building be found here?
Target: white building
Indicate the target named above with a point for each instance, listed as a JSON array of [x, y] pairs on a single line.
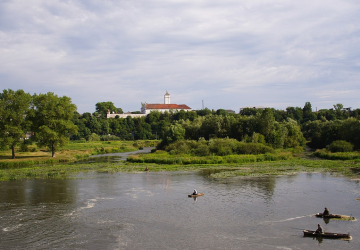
[[146, 108]]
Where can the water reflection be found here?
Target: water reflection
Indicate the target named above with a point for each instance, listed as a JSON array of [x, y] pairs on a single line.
[[151, 210], [265, 186], [34, 192], [326, 220], [114, 157]]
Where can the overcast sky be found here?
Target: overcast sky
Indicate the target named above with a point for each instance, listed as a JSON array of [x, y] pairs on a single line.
[[229, 53]]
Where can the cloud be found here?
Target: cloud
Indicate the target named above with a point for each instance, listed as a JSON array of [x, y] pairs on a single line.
[[229, 53]]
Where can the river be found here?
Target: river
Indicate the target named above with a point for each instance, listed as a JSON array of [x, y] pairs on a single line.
[[151, 210]]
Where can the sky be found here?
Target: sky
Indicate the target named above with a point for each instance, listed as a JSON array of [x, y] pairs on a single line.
[[224, 54]]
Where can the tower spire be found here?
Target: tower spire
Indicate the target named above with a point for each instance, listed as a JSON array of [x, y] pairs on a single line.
[[167, 98]]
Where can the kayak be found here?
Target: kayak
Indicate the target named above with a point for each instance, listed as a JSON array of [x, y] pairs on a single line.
[[326, 234], [320, 215], [338, 216], [195, 195]]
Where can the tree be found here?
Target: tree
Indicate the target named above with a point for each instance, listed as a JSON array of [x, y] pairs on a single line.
[[340, 112], [175, 133], [103, 107], [203, 112], [294, 135], [14, 106], [266, 123], [221, 112], [295, 113], [51, 120], [308, 115]]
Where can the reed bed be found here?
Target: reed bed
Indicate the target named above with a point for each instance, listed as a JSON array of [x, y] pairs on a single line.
[[165, 158], [226, 170], [325, 154]]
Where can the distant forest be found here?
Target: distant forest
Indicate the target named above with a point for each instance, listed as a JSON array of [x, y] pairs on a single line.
[[288, 128], [52, 120]]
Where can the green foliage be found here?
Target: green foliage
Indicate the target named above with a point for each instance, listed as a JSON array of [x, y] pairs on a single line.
[[274, 128], [308, 114], [14, 106], [340, 146], [103, 108], [323, 133], [294, 137], [93, 137], [175, 133], [203, 112], [109, 138], [25, 146], [167, 158], [51, 120], [219, 147], [343, 156]]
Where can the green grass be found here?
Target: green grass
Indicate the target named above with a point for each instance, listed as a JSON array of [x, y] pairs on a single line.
[[65, 171], [162, 157], [323, 153], [279, 163], [71, 152]]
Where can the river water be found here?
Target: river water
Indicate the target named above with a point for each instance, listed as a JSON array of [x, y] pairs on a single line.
[[151, 210]]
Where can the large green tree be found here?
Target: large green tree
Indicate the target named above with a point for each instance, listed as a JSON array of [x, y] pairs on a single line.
[[14, 106], [51, 119], [103, 107]]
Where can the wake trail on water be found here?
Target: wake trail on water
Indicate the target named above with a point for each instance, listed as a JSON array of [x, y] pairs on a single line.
[[289, 219]]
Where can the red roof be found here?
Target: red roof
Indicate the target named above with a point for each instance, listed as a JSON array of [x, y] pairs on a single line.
[[167, 106]]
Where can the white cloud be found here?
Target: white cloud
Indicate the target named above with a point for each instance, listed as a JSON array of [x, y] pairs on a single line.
[[228, 53]]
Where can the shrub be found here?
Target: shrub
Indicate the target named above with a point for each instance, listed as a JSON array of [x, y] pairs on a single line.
[[94, 137], [109, 138], [202, 150], [340, 146], [253, 148], [24, 146]]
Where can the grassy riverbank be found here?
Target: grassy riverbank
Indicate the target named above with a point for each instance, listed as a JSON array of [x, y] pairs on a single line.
[[295, 165], [71, 152], [27, 165]]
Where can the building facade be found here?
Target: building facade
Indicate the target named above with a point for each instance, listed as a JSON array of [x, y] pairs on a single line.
[[146, 108]]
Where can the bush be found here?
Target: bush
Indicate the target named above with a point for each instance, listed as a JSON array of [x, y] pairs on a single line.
[[94, 137], [24, 146], [253, 148], [322, 153], [340, 146], [219, 147], [202, 150], [109, 138]]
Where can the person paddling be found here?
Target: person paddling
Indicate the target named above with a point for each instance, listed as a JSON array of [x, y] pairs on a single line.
[[326, 212], [195, 192], [319, 230]]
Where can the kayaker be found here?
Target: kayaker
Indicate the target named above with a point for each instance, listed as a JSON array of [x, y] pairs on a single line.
[[195, 192], [326, 211], [319, 230]]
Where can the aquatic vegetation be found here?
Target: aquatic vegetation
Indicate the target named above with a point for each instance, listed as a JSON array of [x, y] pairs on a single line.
[[325, 154], [40, 165], [163, 157], [221, 170]]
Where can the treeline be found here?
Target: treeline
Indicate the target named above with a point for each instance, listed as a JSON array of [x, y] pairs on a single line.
[[52, 120], [275, 128]]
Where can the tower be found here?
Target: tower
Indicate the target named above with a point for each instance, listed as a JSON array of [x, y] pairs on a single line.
[[167, 98]]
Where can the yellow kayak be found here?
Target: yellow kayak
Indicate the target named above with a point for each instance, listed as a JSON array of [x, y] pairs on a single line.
[[196, 195]]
